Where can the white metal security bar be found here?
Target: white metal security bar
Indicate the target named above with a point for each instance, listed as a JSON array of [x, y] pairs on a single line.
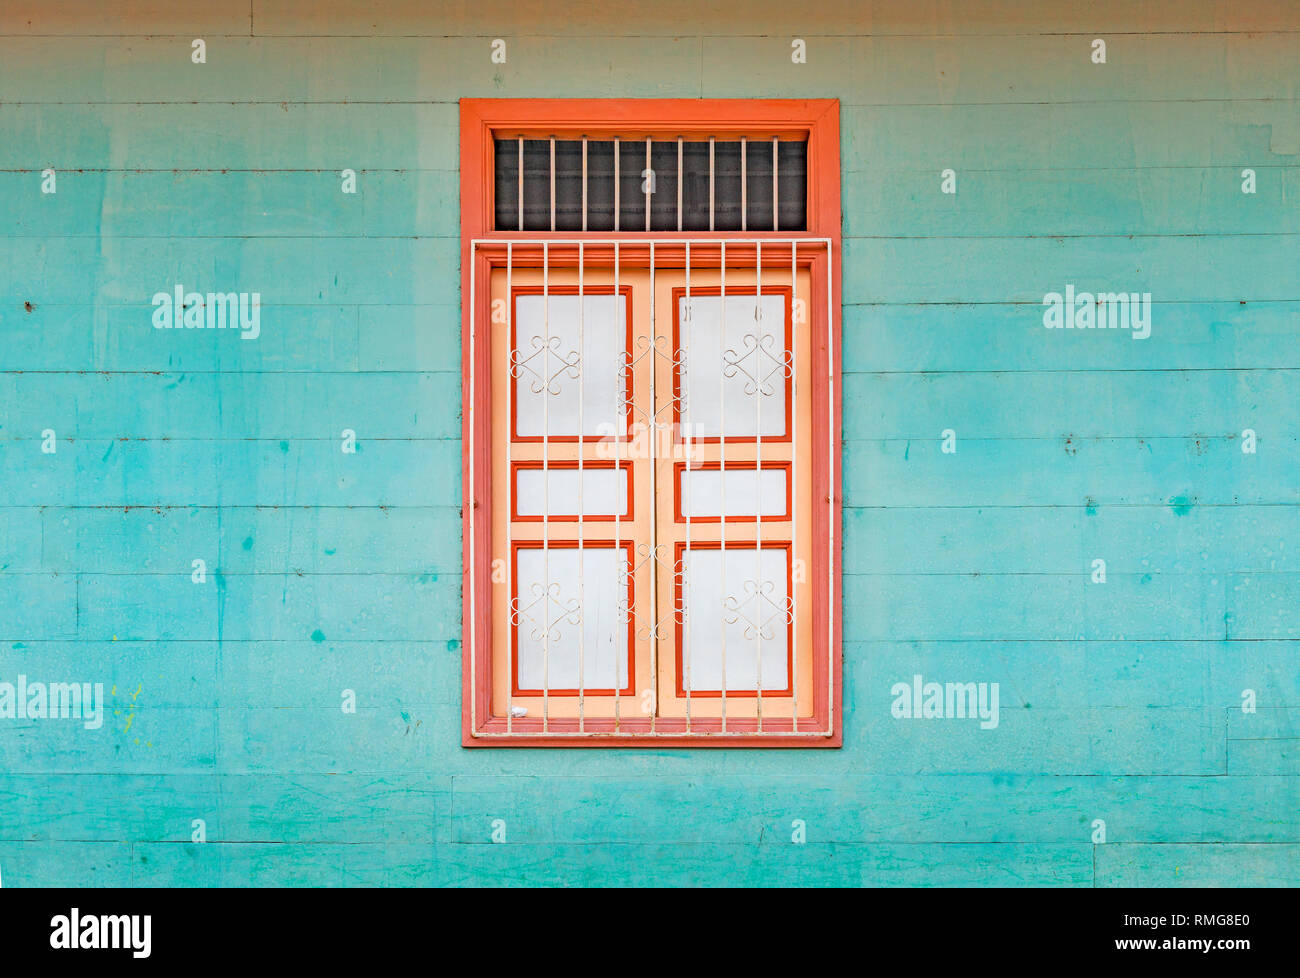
[[627, 151], [565, 371]]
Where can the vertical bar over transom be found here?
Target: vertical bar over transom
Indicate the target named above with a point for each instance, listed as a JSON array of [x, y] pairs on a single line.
[[776, 193], [744, 186], [649, 178], [711, 184], [679, 187]]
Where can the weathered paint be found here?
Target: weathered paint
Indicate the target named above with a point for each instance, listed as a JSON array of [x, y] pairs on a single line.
[[329, 571]]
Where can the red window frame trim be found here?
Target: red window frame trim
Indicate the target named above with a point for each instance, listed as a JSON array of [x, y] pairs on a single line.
[[571, 464], [679, 468], [625, 291], [678, 604], [480, 120], [787, 327]]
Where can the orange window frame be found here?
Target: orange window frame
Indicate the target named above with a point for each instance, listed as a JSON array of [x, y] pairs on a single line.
[[481, 122]]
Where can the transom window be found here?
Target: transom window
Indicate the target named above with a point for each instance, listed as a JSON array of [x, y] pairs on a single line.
[[629, 184], [651, 437]]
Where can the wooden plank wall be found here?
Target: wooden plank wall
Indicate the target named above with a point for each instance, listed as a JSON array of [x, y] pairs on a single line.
[[326, 572]]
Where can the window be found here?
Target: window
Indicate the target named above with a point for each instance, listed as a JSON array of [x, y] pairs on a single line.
[[651, 422]]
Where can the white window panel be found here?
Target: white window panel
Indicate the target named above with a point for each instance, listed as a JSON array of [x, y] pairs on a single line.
[[732, 366], [743, 597], [550, 368], [556, 620], [748, 492], [557, 491]]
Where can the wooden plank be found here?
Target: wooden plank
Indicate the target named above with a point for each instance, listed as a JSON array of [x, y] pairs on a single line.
[[929, 17], [1213, 405], [1175, 865], [1225, 335], [1131, 539]]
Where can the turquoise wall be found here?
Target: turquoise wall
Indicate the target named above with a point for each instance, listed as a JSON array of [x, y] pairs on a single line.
[[326, 571]]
